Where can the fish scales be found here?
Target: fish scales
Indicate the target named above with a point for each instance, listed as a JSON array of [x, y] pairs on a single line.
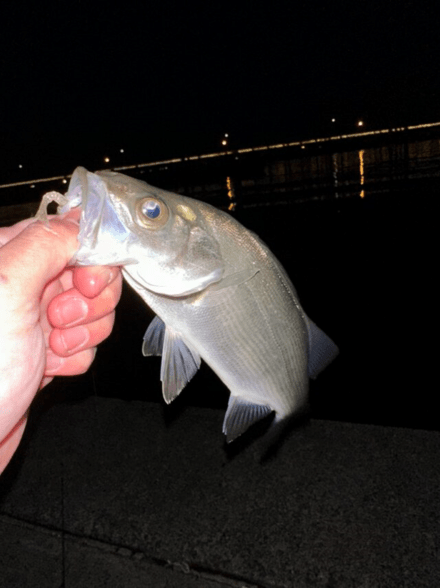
[[250, 341], [218, 292]]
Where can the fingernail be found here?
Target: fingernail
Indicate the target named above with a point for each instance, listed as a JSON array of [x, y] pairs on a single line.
[[98, 281], [106, 276], [109, 276], [74, 338], [71, 311]]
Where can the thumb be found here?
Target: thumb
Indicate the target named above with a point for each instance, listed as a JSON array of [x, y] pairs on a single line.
[[34, 257], [28, 261]]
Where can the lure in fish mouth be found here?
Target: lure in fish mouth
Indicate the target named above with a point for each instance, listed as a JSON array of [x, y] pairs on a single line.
[[218, 292]]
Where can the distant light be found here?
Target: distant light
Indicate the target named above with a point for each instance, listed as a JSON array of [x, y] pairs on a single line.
[[303, 146], [226, 135], [333, 120], [224, 142], [360, 123], [107, 159], [121, 151], [361, 172], [32, 185], [64, 181], [20, 166]]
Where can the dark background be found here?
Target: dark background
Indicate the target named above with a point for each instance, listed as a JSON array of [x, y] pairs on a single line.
[[81, 80], [363, 269]]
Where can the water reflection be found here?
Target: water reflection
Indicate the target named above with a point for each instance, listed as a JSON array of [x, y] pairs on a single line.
[[252, 180], [335, 167], [231, 193], [335, 172], [361, 172]]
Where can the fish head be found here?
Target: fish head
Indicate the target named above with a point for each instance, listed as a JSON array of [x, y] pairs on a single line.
[[162, 239]]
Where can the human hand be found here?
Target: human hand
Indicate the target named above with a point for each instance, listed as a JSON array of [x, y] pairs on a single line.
[[51, 316]]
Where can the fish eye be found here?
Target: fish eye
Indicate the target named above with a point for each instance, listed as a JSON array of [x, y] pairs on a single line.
[[151, 209], [152, 212]]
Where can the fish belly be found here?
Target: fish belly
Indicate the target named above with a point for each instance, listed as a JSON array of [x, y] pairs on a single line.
[[252, 335]]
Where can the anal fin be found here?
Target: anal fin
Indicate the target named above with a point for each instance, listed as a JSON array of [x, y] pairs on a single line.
[[241, 414], [153, 338]]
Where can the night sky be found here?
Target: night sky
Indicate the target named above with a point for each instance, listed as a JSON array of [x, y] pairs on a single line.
[[164, 79]]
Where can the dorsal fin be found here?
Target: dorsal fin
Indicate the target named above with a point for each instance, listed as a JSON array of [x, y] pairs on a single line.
[[241, 414], [322, 350]]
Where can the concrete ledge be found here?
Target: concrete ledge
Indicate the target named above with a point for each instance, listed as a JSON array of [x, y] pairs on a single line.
[[110, 495]]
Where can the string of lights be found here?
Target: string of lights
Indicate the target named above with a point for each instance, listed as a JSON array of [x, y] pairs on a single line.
[[223, 153]]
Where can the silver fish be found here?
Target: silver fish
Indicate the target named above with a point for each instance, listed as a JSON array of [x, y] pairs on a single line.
[[218, 292]]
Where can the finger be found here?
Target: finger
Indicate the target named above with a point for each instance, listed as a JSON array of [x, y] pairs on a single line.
[[90, 281], [73, 365], [8, 233], [46, 250], [66, 342], [51, 291], [72, 308], [66, 278]]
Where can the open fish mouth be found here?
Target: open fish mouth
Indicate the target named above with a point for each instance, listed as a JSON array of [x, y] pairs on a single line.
[[117, 229], [100, 228]]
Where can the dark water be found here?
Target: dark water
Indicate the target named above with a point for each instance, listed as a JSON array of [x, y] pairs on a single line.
[[305, 171], [365, 274], [361, 250]]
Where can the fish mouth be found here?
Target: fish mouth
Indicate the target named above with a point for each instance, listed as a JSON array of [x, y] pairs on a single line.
[[101, 233]]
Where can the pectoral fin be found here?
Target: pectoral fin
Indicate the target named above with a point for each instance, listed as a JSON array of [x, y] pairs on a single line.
[[241, 414], [179, 361], [322, 350]]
